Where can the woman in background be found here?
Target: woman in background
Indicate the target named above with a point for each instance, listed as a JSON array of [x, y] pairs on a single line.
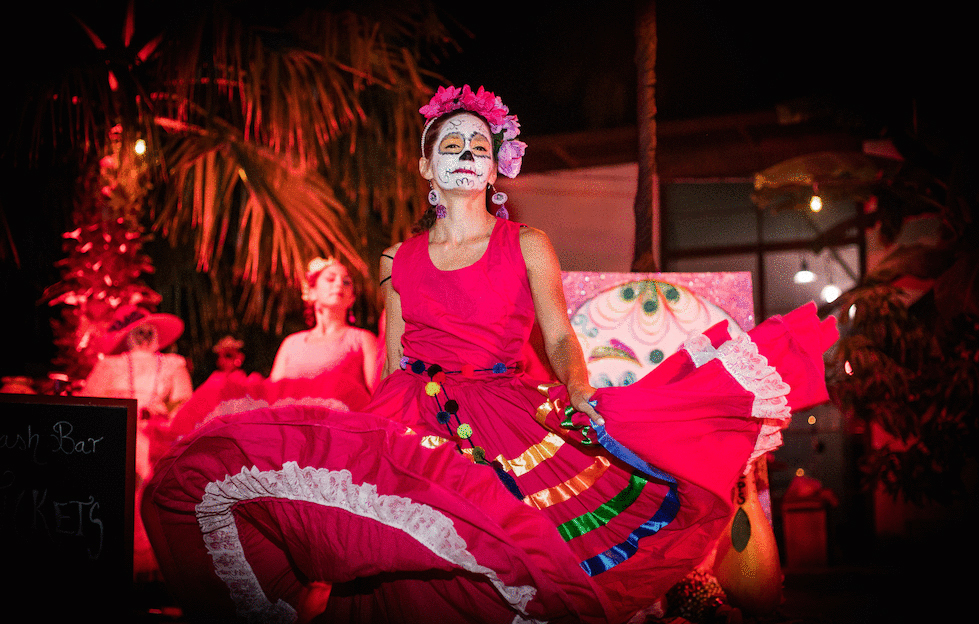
[[331, 345], [333, 363], [133, 366]]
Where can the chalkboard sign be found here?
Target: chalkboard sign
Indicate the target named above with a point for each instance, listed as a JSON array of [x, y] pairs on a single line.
[[67, 487]]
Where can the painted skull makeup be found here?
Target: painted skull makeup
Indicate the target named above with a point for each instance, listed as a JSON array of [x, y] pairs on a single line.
[[463, 155]]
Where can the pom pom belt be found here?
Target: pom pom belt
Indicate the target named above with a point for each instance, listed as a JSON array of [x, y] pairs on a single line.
[[447, 413], [437, 373]]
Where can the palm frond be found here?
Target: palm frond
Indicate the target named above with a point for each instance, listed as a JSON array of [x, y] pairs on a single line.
[[282, 215], [271, 140]]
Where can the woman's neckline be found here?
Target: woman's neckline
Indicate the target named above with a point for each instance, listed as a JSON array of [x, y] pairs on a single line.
[[428, 250], [312, 335]]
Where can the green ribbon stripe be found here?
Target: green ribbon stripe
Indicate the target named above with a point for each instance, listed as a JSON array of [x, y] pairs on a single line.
[[586, 522], [567, 424]]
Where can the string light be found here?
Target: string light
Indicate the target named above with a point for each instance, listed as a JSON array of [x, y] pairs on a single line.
[[140, 147], [804, 275], [815, 202], [830, 293]]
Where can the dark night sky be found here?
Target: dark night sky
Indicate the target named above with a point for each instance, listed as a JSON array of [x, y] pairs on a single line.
[[567, 66], [573, 69], [564, 66]]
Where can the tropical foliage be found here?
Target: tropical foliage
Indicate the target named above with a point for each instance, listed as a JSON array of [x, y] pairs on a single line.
[[105, 264], [273, 134], [908, 361]]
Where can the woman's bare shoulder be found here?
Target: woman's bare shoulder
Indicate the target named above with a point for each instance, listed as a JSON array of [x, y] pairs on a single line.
[[174, 359], [390, 251], [532, 238], [109, 363], [536, 248], [294, 340], [365, 336]]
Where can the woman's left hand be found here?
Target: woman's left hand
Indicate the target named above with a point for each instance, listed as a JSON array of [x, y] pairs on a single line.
[[580, 395]]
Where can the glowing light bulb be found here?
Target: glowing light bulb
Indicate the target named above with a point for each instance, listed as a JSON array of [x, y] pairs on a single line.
[[140, 147], [830, 292], [799, 472], [812, 420], [816, 203], [804, 275]]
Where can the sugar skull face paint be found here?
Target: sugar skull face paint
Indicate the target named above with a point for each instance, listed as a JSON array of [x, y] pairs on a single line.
[[463, 156]]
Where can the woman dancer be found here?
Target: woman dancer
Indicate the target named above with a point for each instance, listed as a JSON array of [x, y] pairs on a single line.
[[465, 489], [333, 363], [331, 345]]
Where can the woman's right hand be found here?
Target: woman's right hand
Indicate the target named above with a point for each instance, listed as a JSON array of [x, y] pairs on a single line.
[[580, 396]]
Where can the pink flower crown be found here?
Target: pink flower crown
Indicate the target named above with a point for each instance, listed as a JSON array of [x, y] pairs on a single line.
[[504, 127]]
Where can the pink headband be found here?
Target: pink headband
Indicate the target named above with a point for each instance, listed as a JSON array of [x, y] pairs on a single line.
[[504, 127]]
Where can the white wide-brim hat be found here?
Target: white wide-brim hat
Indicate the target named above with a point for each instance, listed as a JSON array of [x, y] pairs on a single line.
[[129, 317]]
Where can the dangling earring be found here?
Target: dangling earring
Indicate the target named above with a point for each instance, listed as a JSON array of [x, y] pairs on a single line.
[[499, 198], [433, 199], [350, 316]]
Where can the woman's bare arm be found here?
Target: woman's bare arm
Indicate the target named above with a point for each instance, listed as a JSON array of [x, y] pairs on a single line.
[[394, 324], [281, 356], [562, 346], [368, 345]]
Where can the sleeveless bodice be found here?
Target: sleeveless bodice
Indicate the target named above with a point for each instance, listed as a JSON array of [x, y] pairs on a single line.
[[478, 315], [303, 358]]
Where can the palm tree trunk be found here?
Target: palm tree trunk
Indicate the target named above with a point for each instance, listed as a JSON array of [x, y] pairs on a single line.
[[645, 255]]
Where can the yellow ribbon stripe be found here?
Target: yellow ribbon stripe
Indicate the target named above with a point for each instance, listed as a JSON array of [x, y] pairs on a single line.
[[570, 488], [532, 457]]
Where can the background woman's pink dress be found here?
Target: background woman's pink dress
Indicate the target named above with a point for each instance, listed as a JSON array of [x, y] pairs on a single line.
[[466, 491], [328, 374]]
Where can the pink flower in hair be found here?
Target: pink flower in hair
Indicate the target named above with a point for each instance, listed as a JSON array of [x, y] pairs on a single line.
[[490, 107], [510, 128], [445, 100], [510, 157]]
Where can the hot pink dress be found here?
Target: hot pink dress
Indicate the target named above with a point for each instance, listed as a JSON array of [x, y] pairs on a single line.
[[466, 492], [329, 375]]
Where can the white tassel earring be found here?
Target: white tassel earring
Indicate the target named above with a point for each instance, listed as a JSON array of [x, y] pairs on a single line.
[[433, 199], [499, 198]]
